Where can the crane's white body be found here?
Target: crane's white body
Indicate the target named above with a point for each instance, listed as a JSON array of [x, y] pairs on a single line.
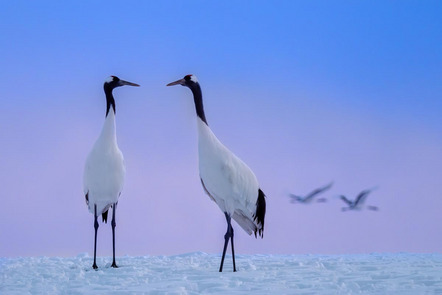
[[227, 180], [104, 171]]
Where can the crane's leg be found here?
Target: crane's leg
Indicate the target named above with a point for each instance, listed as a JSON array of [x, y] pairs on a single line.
[[233, 250], [227, 236], [113, 234], [94, 266]]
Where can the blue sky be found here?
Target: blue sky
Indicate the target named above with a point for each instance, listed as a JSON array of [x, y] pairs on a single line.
[[304, 92]]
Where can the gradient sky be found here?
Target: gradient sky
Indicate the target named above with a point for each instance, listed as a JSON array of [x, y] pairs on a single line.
[[305, 92]]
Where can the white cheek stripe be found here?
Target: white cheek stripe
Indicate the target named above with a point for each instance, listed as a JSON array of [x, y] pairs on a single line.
[[109, 79]]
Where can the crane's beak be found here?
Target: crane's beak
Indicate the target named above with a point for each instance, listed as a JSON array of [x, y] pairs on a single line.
[[122, 83], [177, 82]]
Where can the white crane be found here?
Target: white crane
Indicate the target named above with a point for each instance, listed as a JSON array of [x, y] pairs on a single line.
[[228, 181], [104, 170], [358, 203], [309, 197]]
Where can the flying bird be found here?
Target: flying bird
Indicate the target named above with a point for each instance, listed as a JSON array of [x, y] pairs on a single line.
[[227, 180], [104, 170], [358, 203], [309, 197]]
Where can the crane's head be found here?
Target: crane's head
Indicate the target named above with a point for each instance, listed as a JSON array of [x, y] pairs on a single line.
[[188, 81], [114, 82]]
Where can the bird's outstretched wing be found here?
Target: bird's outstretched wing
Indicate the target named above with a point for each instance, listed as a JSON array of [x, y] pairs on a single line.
[[343, 198], [360, 199], [295, 198], [318, 191]]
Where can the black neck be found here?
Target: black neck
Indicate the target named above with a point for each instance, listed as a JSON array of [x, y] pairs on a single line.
[[198, 99], [110, 101]]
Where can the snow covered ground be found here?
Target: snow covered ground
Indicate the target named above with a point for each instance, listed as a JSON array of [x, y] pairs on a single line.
[[197, 273]]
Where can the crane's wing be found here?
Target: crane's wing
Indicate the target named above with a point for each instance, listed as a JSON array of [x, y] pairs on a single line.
[[103, 178], [318, 191], [229, 181], [343, 198], [295, 198], [360, 199]]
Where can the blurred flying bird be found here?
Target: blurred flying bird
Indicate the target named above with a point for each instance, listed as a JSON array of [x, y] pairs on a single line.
[[307, 199], [358, 203]]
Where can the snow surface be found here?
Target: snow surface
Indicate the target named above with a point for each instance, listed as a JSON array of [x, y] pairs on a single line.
[[197, 273]]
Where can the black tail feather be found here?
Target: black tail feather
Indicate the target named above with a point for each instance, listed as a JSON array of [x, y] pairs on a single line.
[[260, 213], [104, 215]]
